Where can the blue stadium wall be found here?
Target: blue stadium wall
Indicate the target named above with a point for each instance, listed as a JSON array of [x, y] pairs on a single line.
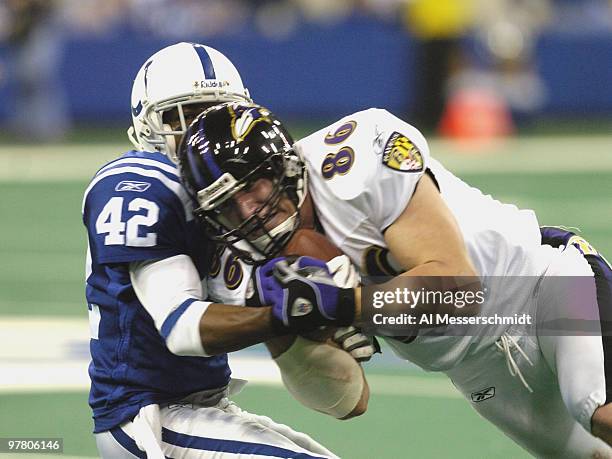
[[321, 71]]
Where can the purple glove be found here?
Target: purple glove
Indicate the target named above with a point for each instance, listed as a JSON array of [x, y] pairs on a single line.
[[303, 295]]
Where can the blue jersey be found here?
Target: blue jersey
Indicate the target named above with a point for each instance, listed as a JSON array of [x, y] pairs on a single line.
[[135, 209]]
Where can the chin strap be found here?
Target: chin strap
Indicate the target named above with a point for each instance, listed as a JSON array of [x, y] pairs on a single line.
[[285, 227], [131, 133], [168, 147], [252, 251]]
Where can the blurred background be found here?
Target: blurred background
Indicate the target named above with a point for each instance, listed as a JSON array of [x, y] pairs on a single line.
[[514, 96]]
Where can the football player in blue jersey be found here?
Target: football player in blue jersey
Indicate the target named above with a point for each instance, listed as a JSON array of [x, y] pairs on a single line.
[[160, 379]]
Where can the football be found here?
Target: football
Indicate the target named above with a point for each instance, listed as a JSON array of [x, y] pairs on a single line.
[[310, 243]]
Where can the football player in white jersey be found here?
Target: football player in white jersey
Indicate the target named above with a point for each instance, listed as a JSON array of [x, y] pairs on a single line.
[[159, 371], [395, 210]]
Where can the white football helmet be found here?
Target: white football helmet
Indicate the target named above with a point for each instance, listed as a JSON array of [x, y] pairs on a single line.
[[178, 75]]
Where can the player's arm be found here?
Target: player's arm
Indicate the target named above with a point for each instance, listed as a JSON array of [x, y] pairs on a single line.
[[426, 241], [227, 328], [320, 375], [171, 291], [324, 378], [321, 369]]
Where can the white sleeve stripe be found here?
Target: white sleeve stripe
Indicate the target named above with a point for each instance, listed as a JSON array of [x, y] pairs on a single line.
[[184, 337], [173, 186], [142, 162]]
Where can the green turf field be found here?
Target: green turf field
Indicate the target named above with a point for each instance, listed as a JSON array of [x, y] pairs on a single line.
[[567, 181], [395, 426]]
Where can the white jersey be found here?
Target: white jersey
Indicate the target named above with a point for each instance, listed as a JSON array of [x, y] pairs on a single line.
[[364, 169], [228, 280]]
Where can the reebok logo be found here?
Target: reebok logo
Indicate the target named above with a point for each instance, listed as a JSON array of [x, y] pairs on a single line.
[[483, 395], [132, 185]]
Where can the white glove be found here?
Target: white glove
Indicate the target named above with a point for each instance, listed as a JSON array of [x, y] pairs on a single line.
[[360, 346], [343, 271]]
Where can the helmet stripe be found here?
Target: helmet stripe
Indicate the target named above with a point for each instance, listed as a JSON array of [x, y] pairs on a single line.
[[199, 180], [214, 169], [146, 75], [207, 65], [212, 165], [203, 176]]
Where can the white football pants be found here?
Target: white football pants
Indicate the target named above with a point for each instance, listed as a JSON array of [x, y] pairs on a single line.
[[221, 431], [566, 376]]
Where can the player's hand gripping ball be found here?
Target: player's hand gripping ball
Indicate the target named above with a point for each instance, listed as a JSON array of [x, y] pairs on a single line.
[[303, 294]]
